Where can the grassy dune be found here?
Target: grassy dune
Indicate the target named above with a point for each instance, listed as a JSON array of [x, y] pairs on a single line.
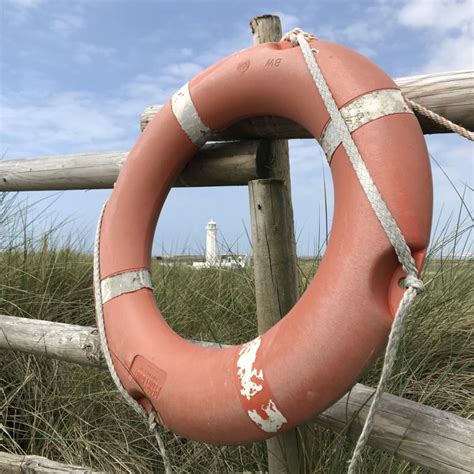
[[73, 414]]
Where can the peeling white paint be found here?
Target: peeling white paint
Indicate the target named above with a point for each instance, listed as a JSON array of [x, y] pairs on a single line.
[[274, 421], [249, 376]]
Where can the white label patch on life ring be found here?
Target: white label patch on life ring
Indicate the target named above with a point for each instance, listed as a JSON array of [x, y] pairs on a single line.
[[188, 117]]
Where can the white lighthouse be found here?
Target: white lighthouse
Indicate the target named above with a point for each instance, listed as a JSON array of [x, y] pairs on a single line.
[[213, 258], [212, 255]]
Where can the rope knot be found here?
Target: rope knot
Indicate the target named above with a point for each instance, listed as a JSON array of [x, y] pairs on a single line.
[[411, 281], [292, 36]]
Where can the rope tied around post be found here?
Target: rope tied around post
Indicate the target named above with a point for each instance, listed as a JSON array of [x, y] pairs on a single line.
[[413, 285], [440, 120]]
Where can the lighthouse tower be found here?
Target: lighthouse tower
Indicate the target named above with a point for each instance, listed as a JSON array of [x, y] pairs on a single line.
[[212, 256]]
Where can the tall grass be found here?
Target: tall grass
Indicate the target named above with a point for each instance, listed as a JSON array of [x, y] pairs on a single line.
[[74, 415]]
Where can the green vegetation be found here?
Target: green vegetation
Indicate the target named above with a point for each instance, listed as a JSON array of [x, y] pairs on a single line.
[[73, 414]]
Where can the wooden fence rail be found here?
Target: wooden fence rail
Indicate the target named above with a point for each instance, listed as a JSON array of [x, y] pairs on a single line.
[[412, 431], [19, 464], [229, 164], [219, 164]]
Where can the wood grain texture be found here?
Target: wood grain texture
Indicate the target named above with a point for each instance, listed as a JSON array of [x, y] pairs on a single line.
[[438, 440], [19, 464], [276, 289], [68, 342], [450, 94], [426, 436], [276, 292], [217, 164]]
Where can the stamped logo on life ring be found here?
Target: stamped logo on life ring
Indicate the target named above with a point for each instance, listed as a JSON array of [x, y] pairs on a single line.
[[243, 66]]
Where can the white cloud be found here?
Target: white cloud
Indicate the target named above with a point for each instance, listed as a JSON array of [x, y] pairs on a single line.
[[438, 14], [62, 120], [20, 11], [186, 52], [182, 71], [86, 52], [21, 4], [452, 53], [362, 32], [63, 21], [45, 122], [224, 46], [149, 88], [449, 23], [67, 22], [288, 21]]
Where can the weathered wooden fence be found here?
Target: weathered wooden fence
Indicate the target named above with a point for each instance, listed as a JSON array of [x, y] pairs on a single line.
[[254, 152], [411, 431], [230, 163]]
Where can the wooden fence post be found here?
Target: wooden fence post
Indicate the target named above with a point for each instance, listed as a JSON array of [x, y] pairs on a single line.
[[274, 256], [276, 293]]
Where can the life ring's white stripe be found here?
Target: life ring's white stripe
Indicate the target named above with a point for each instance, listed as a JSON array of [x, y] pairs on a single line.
[[126, 282], [188, 117], [361, 111]]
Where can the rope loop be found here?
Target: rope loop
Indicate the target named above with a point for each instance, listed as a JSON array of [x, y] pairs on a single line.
[[412, 281], [292, 36]]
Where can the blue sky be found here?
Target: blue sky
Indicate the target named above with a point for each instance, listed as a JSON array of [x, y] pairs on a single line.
[[76, 75]]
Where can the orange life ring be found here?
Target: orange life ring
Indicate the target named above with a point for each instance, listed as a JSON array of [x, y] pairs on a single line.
[[316, 353]]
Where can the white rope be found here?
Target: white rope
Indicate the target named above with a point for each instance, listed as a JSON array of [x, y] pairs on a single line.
[[440, 120], [105, 349], [153, 427], [412, 284]]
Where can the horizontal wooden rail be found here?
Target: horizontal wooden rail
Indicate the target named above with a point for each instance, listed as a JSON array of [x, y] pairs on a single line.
[[432, 438], [235, 163], [18, 464], [216, 164], [450, 94], [411, 431]]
